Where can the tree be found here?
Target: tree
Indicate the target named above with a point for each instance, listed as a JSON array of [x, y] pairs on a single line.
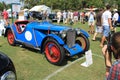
[[4, 6], [94, 3], [1, 7], [71, 4], [27, 3]]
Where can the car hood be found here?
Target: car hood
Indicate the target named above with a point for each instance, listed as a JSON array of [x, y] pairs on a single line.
[[47, 26]]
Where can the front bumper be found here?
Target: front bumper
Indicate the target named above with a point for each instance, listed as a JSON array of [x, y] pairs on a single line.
[[76, 49]]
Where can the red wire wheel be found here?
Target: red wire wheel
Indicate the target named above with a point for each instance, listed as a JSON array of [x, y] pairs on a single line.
[[54, 52], [10, 37]]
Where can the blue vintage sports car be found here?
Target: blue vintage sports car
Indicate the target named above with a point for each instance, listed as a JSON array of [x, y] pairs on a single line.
[[55, 41]]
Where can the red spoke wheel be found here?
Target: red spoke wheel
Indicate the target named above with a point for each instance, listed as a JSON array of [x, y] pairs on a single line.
[[10, 37], [83, 42], [54, 53]]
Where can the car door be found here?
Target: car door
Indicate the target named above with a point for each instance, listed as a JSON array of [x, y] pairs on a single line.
[[24, 34]]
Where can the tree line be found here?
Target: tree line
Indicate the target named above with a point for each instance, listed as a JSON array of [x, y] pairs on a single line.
[[66, 4], [72, 4]]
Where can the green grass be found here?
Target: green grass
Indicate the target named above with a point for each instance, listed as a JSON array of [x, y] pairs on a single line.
[[32, 65]]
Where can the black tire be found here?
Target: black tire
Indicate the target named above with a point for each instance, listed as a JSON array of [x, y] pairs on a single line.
[[7, 64], [83, 42], [10, 37], [54, 53]]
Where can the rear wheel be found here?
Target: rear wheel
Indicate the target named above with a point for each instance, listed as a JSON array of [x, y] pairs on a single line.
[[83, 42], [54, 53], [10, 37]]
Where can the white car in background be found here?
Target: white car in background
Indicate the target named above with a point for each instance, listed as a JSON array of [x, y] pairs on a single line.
[[2, 27]]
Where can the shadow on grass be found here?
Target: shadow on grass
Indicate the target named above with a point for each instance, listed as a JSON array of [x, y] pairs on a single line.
[[66, 60], [71, 59], [24, 48]]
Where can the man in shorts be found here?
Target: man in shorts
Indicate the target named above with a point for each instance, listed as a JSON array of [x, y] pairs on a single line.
[[106, 23], [99, 28]]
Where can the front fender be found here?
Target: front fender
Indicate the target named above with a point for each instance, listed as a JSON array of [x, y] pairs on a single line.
[[76, 49], [57, 38], [85, 33], [7, 28]]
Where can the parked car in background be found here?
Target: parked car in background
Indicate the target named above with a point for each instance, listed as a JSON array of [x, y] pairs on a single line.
[[118, 22], [40, 16], [36, 15], [7, 69], [53, 17], [2, 27], [55, 41]]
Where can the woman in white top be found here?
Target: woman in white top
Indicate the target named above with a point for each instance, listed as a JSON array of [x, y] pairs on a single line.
[[91, 21]]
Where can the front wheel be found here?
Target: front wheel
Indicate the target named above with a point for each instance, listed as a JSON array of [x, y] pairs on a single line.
[[10, 37], [54, 53], [83, 42]]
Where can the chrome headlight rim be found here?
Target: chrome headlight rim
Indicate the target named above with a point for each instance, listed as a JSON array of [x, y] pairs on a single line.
[[63, 33], [78, 31], [9, 75]]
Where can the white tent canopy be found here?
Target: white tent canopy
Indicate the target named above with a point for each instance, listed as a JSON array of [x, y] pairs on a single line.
[[9, 10], [26, 9], [41, 8]]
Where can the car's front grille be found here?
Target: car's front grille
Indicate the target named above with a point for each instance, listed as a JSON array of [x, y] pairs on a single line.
[[71, 37]]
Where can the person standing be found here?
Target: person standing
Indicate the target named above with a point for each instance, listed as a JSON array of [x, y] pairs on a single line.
[[106, 23], [59, 16], [5, 17], [75, 15], [115, 19], [64, 16], [99, 27], [91, 21], [82, 16], [112, 69], [71, 17]]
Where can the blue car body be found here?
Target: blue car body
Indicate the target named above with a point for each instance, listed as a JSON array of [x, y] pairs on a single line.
[[34, 34]]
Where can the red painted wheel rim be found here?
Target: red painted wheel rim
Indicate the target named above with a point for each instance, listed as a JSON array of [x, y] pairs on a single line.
[[10, 37], [52, 52]]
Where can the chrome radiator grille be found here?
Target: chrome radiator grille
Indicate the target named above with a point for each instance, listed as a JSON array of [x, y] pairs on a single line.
[[71, 37]]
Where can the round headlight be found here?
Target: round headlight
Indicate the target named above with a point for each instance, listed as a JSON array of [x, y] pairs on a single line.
[[9, 76], [78, 31], [63, 33]]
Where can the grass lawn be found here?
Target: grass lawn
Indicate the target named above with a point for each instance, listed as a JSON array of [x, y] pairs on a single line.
[[32, 65]]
